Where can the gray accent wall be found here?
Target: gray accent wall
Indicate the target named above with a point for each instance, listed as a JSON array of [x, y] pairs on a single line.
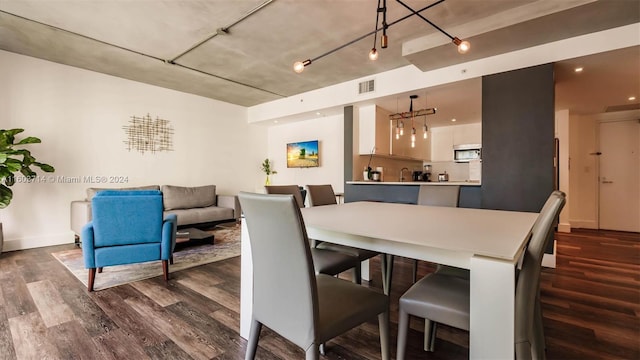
[[518, 138], [348, 143]]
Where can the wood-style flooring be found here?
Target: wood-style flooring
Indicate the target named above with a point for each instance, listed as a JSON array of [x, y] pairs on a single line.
[[591, 305]]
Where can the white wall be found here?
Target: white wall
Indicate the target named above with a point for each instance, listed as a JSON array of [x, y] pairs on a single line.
[[79, 115], [562, 134], [329, 131], [583, 172]]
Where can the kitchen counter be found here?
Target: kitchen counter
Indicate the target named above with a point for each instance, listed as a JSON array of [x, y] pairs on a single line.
[[406, 192], [435, 183]]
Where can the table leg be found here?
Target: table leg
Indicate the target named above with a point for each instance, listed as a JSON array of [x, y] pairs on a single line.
[[492, 309], [386, 268], [246, 282]]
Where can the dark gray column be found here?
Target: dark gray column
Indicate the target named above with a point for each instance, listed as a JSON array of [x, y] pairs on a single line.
[[348, 143], [518, 138]]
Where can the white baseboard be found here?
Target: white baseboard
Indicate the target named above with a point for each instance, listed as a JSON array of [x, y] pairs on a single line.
[[38, 241], [564, 227], [549, 260], [583, 224]]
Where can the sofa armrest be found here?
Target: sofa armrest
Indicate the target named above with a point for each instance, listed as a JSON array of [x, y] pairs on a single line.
[[229, 201], [80, 215]]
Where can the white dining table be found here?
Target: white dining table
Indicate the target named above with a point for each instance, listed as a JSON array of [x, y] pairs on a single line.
[[487, 242]]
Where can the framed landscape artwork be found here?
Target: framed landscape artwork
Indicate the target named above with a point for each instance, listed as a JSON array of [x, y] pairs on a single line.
[[302, 154]]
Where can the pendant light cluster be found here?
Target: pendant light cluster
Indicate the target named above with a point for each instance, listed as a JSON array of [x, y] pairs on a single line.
[[463, 45], [412, 115]]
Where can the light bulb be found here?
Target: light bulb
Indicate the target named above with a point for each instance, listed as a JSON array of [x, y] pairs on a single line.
[[413, 136], [298, 66], [401, 132], [373, 54], [424, 132], [463, 47], [397, 133], [413, 144]]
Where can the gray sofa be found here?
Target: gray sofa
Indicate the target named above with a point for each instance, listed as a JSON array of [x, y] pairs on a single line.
[[194, 206]]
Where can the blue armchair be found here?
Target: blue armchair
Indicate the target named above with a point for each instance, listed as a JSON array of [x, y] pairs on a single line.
[[127, 227]]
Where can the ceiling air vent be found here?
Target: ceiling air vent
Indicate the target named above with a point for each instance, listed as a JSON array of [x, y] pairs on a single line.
[[366, 87]]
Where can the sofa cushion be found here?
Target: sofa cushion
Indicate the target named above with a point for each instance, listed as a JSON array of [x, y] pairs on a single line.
[[178, 197], [201, 215], [91, 192]]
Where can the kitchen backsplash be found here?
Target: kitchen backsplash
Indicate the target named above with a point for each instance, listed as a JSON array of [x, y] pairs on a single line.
[[456, 171]]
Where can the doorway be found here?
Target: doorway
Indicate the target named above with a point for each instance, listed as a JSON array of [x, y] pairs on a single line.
[[619, 176]]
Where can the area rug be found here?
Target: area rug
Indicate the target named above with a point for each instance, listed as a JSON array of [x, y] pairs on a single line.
[[226, 245]]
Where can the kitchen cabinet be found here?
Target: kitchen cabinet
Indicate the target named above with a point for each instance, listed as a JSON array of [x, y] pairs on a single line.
[[444, 138], [373, 130]]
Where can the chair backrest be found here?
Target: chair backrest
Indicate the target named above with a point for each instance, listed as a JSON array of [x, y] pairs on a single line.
[[286, 189], [284, 286], [127, 217], [321, 195], [528, 281], [439, 195]]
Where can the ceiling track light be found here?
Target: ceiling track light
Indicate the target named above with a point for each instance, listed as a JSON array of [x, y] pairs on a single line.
[[463, 45], [373, 54]]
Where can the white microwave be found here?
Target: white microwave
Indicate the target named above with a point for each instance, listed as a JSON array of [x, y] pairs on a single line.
[[467, 152]]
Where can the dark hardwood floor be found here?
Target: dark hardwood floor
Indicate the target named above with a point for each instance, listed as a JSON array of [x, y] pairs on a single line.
[[591, 305]]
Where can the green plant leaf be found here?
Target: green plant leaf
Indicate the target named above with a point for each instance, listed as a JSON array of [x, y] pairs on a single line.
[[5, 196], [10, 180], [29, 140], [13, 165], [14, 160], [44, 167]]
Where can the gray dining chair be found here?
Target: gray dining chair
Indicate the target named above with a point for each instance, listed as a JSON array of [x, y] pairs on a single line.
[[320, 195], [438, 195], [307, 309], [444, 298], [325, 261]]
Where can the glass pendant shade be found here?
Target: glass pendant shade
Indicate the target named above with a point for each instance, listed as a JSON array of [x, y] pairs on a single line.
[[373, 54]]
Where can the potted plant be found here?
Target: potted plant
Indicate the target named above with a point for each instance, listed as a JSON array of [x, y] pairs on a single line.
[[14, 158], [267, 169]]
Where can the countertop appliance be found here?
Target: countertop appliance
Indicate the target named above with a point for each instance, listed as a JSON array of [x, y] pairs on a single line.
[[467, 152], [443, 177]]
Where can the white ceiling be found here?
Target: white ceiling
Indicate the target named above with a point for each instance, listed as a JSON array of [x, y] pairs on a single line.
[[251, 62]]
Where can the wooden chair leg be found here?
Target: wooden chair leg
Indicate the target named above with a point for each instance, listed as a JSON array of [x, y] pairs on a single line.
[[99, 270], [171, 260], [92, 277], [165, 269]]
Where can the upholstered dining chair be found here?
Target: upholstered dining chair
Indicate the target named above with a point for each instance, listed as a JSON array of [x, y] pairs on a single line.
[[438, 195], [444, 298], [325, 261], [320, 195], [307, 309], [127, 227]]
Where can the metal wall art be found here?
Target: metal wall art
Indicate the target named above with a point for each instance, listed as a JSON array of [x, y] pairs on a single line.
[[145, 134]]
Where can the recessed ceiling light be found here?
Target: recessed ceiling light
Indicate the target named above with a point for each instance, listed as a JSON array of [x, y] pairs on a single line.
[[631, 98], [453, 120], [578, 69], [275, 121], [318, 113]]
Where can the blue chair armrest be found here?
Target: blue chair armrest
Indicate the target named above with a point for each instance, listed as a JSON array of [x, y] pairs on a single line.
[[169, 228], [88, 248]]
